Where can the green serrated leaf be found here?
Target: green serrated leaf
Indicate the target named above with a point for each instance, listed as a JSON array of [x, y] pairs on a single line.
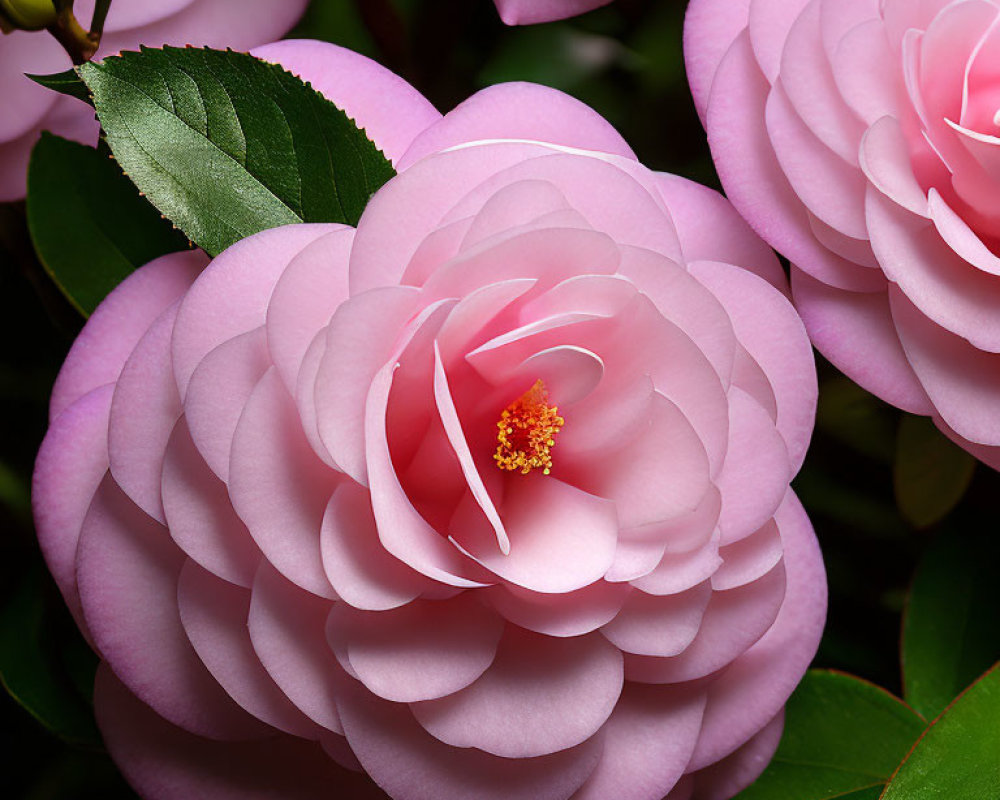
[[68, 83], [950, 625], [958, 758], [89, 225], [226, 145], [44, 665], [930, 473], [843, 738]]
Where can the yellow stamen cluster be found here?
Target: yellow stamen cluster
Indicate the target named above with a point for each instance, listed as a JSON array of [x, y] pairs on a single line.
[[526, 432]]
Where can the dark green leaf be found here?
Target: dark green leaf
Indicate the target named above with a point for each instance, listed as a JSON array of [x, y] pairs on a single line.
[[67, 82], [843, 738], [959, 756], [930, 473], [226, 145], [950, 626], [89, 225], [856, 418], [43, 665]]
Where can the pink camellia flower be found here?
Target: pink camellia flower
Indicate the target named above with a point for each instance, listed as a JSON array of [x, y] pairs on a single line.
[[861, 140], [486, 498], [26, 108], [529, 12]]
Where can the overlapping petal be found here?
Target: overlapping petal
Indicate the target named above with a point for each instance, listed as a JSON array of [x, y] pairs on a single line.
[[486, 498], [860, 140]]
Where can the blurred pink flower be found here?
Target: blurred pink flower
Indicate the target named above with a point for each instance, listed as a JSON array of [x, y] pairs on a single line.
[[529, 12], [486, 498], [26, 108], [861, 140]]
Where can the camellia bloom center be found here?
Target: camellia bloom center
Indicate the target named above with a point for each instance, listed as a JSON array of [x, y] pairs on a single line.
[[526, 432]]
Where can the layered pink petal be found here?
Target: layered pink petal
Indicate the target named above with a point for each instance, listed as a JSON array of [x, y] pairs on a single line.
[[524, 111], [529, 12], [748, 695], [200, 516], [391, 111], [71, 464], [423, 650], [517, 709], [214, 615], [116, 326], [647, 742], [278, 486], [162, 761], [127, 569]]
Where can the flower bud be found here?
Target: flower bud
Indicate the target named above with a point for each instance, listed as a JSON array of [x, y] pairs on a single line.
[[28, 15]]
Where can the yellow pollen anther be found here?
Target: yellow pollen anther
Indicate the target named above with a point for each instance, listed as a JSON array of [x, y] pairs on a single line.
[[526, 432]]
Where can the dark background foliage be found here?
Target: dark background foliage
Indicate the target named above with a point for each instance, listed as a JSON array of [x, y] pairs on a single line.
[[881, 490]]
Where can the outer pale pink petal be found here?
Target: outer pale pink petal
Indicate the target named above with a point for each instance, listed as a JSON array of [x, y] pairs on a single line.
[[733, 621], [647, 743], [391, 111], [14, 157], [855, 331], [214, 615], [770, 24], [200, 516], [830, 188], [747, 696], [753, 180], [144, 410], [710, 28], [962, 382], [651, 625], [71, 464], [24, 103], [362, 573], [127, 568], [279, 487], [563, 615], [409, 763], [163, 762], [304, 299], [530, 12], [988, 454], [524, 111], [748, 559], [756, 474], [219, 389], [934, 278], [777, 341], [423, 650], [114, 329], [231, 296], [727, 238], [520, 707], [131, 15], [727, 778], [359, 340], [212, 23], [562, 538], [287, 629], [807, 79]]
